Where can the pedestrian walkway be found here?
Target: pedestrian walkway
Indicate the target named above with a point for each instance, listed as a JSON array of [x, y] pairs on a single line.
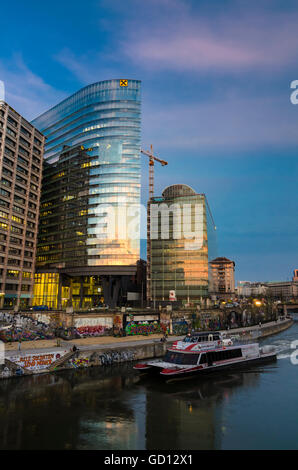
[[107, 342]]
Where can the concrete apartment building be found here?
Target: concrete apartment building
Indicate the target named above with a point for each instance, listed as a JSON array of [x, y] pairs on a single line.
[[222, 278], [21, 157]]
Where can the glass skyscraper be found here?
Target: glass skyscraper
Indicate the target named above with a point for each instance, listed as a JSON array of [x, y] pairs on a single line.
[[91, 183], [182, 242]]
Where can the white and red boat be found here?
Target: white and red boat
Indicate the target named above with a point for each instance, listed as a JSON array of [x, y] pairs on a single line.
[[205, 352]]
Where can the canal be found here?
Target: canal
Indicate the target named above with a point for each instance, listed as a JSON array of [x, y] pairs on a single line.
[[113, 409]]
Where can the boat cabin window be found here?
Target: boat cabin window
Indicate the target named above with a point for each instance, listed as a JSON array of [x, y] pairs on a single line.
[[199, 338], [203, 359], [214, 356], [180, 358]]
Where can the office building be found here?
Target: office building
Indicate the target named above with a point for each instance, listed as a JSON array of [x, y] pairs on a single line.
[[91, 190], [182, 242], [21, 159]]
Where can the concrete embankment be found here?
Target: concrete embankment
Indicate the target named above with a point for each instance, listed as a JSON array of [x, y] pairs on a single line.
[[109, 351], [261, 331]]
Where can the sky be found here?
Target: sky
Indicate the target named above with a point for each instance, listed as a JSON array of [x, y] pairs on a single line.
[[216, 102]]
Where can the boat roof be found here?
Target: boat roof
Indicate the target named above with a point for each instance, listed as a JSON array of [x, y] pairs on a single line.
[[204, 333], [193, 348]]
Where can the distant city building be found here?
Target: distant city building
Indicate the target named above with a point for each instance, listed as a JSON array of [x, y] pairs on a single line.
[[91, 180], [295, 277], [182, 242], [278, 290], [21, 157], [283, 290], [222, 277], [251, 289]]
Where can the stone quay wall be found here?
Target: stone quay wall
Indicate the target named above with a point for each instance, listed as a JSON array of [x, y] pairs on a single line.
[[148, 349]]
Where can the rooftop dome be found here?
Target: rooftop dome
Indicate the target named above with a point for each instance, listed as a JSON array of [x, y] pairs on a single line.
[[178, 190]]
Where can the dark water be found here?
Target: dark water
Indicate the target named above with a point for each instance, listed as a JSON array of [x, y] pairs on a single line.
[[112, 409]]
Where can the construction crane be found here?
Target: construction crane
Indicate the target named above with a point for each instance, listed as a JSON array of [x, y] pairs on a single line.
[[152, 159]]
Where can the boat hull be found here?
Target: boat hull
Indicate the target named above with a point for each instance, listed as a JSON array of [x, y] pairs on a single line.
[[200, 372]]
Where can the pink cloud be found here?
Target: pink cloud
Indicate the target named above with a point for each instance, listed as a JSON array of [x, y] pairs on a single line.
[[238, 39]]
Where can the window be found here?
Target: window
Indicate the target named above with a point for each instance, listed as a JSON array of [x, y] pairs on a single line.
[[17, 219], [4, 203], [23, 161], [11, 287], [4, 193], [10, 142], [25, 132], [14, 251], [11, 132], [20, 190], [7, 162], [24, 142], [4, 215], [25, 287], [26, 275], [16, 241], [6, 182], [13, 274], [181, 358], [12, 121], [34, 168], [7, 172], [13, 262], [18, 209], [16, 229], [19, 200], [23, 151], [22, 170], [9, 152], [21, 180]]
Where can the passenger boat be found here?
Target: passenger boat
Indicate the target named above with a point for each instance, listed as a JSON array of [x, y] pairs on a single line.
[[200, 353]]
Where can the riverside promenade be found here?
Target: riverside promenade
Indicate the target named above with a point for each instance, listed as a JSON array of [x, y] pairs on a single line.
[[128, 342]]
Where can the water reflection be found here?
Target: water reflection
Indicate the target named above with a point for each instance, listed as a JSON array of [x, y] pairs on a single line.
[[113, 408]]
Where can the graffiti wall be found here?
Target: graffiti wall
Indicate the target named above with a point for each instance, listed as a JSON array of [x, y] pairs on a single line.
[[97, 326], [36, 362], [146, 328]]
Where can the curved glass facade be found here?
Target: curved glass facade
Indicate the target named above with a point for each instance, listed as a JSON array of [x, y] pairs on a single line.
[[104, 120]]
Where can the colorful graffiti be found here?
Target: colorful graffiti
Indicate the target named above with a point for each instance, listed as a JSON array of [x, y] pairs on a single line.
[[22, 334], [78, 362], [180, 328], [145, 329], [97, 330]]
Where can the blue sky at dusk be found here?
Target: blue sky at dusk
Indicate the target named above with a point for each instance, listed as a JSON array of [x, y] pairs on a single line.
[[216, 101]]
